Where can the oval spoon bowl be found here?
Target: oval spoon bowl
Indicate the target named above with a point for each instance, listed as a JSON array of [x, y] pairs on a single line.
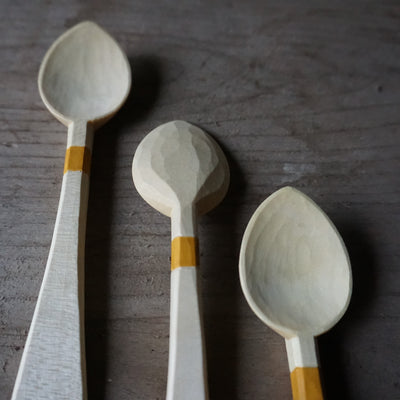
[[72, 92], [294, 267], [178, 163]]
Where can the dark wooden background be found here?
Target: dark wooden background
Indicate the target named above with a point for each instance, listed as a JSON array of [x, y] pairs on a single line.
[[301, 93]]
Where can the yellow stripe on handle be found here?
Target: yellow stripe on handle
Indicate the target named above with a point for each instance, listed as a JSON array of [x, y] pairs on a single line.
[[184, 252], [306, 384], [77, 158]]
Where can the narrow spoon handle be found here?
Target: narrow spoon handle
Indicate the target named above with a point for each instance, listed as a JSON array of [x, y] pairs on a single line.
[[53, 362], [304, 370], [187, 377]]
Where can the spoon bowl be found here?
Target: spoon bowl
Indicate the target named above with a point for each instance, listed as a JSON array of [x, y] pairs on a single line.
[[178, 165], [72, 92], [295, 272]]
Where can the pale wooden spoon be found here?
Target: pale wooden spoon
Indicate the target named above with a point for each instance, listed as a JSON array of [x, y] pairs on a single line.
[[182, 172], [295, 274], [83, 80]]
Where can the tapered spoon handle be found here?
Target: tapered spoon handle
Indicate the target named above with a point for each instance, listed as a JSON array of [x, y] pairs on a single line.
[[304, 369], [53, 362], [187, 378]]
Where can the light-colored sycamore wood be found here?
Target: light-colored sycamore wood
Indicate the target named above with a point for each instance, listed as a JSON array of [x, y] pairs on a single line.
[[180, 170], [83, 80], [295, 274]]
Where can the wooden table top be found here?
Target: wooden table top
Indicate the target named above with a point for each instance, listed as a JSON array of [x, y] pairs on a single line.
[[300, 93]]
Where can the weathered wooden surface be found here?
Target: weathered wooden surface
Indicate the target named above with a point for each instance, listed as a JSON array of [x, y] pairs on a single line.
[[296, 92]]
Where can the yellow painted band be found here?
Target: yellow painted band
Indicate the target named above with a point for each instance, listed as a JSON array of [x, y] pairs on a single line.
[[306, 384], [77, 158], [184, 252]]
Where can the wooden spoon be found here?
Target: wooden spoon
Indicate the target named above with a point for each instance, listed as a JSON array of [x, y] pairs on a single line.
[[182, 172], [295, 274], [83, 80]]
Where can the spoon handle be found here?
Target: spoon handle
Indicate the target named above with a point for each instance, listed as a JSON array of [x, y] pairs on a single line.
[[304, 369], [187, 367], [53, 363]]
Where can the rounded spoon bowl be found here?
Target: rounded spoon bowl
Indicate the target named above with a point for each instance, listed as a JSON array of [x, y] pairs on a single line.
[[85, 75]]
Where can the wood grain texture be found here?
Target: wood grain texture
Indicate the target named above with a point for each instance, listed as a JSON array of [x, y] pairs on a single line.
[[295, 92]]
